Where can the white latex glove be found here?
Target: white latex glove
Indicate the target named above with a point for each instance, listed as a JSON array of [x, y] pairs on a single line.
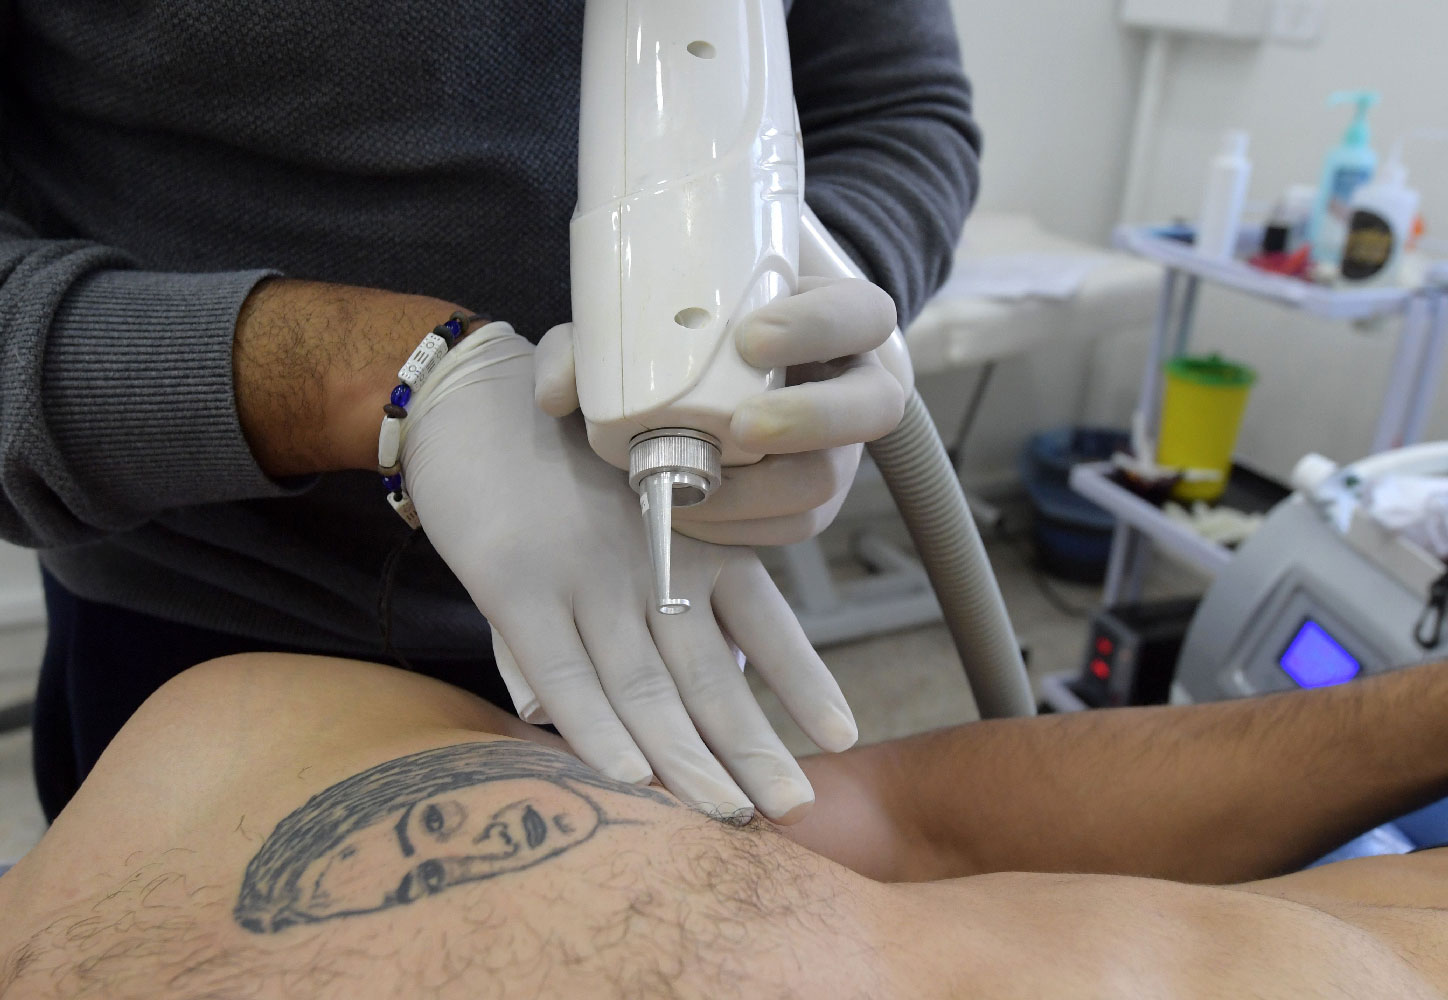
[[548, 540], [837, 396]]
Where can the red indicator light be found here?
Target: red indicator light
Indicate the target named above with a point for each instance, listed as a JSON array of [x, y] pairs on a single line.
[[1105, 646], [1101, 669]]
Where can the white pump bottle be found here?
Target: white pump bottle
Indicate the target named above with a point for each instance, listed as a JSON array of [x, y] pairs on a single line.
[[1381, 219], [1227, 180]]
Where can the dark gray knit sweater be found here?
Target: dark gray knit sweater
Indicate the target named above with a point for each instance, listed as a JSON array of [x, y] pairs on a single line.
[[159, 157]]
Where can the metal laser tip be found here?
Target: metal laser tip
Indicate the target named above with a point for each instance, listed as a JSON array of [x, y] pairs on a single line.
[[656, 500]]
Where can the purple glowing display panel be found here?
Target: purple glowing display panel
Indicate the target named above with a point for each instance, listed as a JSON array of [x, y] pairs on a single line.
[[1315, 659]]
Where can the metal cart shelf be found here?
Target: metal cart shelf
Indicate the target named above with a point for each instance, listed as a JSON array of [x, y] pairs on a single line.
[[1417, 367], [1094, 482]]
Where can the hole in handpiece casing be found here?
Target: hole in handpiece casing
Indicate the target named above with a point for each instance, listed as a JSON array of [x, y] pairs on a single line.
[[701, 49], [692, 318]]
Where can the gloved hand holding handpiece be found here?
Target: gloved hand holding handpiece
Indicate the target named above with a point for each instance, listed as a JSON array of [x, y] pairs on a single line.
[[838, 395], [724, 396], [549, 542]]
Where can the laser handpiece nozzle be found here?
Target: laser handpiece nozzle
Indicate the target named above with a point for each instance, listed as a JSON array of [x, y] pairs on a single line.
[[670, 468]]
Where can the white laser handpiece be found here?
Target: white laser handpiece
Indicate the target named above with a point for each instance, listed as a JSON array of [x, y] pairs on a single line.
[[691, 215], [690, 188]]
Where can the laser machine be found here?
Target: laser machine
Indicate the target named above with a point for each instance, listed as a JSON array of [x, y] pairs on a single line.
[[1321, 593]]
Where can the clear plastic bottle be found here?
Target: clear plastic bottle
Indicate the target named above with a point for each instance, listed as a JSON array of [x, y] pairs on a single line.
[[1349, 166], [1227, 181]]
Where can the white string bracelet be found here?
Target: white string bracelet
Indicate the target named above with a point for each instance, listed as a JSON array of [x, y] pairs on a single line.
[[415, 371]]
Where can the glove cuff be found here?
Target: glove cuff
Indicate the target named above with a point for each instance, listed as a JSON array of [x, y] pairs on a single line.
[[422, 370]]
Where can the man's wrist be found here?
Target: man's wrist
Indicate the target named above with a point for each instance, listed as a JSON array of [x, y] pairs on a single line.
[[313, 365]]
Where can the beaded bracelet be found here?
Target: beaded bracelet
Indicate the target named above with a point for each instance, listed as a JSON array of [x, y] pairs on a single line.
[[410, 377]]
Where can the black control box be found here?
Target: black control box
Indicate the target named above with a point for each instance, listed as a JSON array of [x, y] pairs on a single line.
[[1131, 653]]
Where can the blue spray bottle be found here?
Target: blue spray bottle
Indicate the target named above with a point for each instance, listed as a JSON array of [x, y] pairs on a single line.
[[1348, 167]]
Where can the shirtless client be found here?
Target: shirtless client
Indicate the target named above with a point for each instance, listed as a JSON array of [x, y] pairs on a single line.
[[283, 826]]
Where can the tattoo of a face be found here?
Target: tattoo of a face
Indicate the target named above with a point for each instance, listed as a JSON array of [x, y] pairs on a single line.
[[420, 824]]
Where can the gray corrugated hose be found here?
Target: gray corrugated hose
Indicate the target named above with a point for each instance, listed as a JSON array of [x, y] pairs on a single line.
[[923, 482], [924, 485]]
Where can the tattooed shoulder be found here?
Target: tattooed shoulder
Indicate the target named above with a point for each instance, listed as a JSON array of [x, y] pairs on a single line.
[[657, 901], [418, 825]]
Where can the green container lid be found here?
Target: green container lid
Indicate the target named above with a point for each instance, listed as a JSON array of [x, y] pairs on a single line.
[[1212, 370]]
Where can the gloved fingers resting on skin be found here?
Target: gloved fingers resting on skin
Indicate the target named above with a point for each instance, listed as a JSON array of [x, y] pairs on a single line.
[[752, 610], [724, 710], [564, 677], [652, 702], [525, 699], [612, 660]]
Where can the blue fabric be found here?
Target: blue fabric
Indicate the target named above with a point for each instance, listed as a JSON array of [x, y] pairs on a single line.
[[1382, 840], [1418, 831], [1427, 827]]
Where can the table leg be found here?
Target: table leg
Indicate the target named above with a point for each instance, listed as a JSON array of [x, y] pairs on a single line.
[[1126, 572], [967, 420], [1148, 402], [1408, 357], [1188, 316], [1129, 551], [1138, 560], [1430, 371], [1121, 545]]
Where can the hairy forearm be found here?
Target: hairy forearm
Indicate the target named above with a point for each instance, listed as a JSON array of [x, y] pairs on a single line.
[[312, 364], [1210, 793]]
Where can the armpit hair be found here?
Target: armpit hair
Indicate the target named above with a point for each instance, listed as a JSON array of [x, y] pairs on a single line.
[[717, 902]]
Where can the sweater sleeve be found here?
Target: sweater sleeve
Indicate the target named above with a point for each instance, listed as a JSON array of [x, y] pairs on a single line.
[[116, 397], [891, 148]]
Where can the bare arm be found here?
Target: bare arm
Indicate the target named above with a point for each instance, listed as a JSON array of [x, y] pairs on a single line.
[[313, 364], [1211, 793]]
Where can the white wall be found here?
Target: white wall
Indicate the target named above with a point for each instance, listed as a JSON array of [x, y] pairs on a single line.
[[1053, 81], [1321, 383], [1055, 84]]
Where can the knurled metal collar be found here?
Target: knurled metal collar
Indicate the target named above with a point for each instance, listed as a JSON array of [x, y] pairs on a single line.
[[674, 450]]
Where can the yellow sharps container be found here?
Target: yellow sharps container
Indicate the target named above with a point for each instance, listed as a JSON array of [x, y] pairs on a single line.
[[1201, 413]]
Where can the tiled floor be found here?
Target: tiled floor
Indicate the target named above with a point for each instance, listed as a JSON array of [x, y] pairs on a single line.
[[897, 684]]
